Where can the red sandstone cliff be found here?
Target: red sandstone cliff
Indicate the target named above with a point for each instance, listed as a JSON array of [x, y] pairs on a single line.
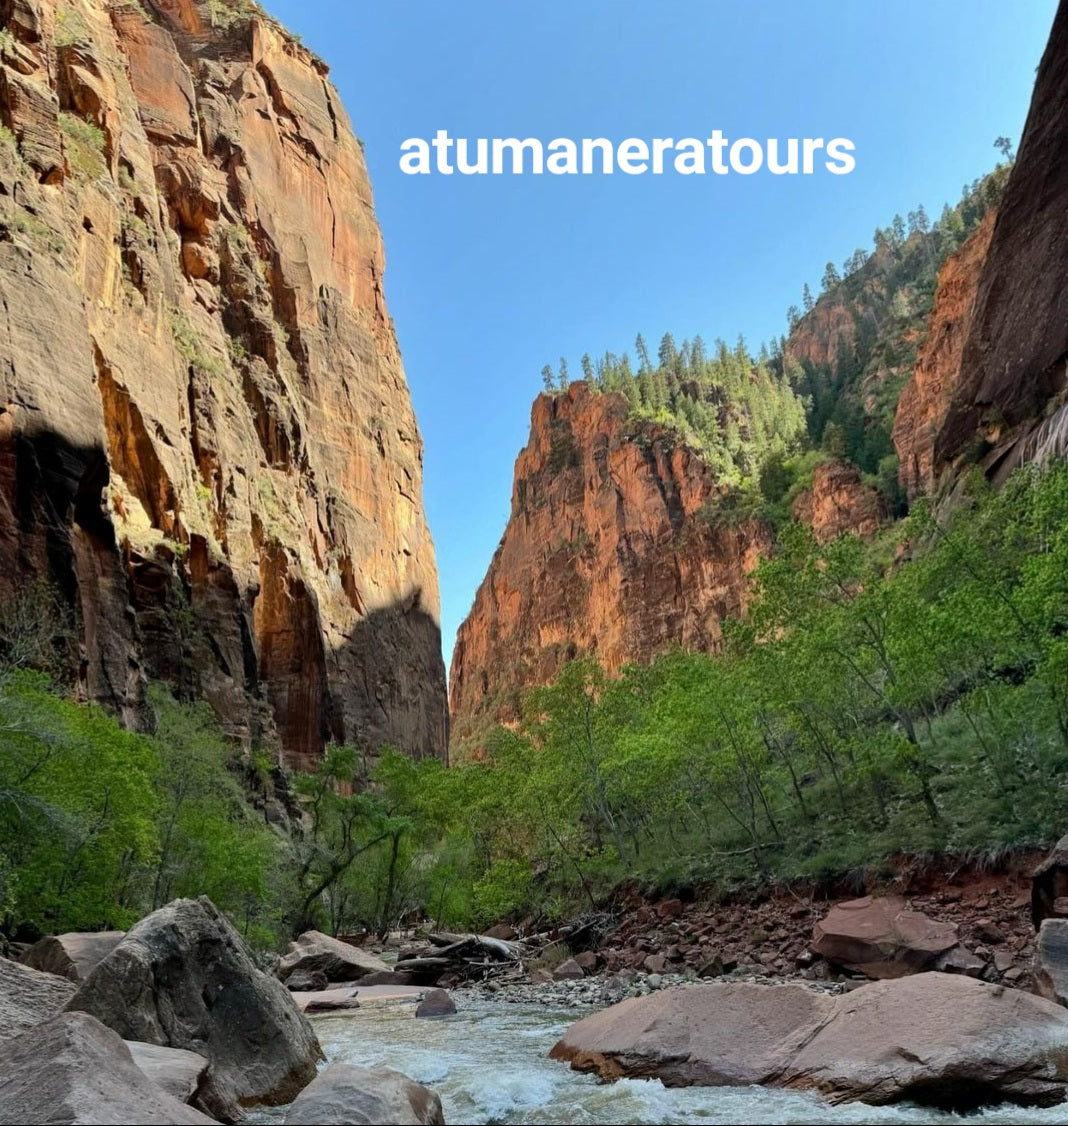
[[206, 437], [838, 502], [606, 551], [925, 401], [994, 394], [614, 547]]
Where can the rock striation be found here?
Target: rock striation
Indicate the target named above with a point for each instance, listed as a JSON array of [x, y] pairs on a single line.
[[611, 549], [207, 444], [926, 399]]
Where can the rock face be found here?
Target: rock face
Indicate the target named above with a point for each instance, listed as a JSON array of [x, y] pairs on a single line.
[[1051, 961], [1002, 402], [73, 956], [607, 551], [211, 452], [175, 1070], [881, 937], [183, 978], [925, 401], [314, 951], [839, 502], [28, 997], [347, 1095], [1049, 885], [935, 1039], [72, 1069]]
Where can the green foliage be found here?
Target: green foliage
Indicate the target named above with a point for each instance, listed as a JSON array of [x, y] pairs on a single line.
[[885, 299], [84, 143], [98, 825], [8, 139], [227, 14], [861, 710], [70, 25]]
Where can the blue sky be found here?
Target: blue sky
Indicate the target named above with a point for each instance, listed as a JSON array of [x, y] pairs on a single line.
[[490, 277]]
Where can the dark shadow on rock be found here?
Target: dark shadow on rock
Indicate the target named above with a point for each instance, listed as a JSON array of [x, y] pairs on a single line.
[[174, 612]]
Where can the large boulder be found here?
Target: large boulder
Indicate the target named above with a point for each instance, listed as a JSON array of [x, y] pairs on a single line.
[[347, 1095], [73, 956], [184, 978], [314, 950], [1051, 961], [940, 1039], [72, 1069], [721, 1035], [177, 1071], [1050, 884], [28, 997], [881, 937]]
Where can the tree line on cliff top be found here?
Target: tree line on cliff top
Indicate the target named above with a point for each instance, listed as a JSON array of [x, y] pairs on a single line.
[[746, 412]]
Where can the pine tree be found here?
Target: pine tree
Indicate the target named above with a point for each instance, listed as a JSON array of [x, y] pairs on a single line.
[[548, 378], [806, 299], [830, 277], [587, 368], [643, 354], [565, 379]]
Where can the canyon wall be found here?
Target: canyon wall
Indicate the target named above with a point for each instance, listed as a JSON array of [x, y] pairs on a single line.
[[207, 443], [612, 548], [993, 395]]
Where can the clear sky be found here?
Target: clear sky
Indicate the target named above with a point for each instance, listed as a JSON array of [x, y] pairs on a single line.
[[491, 277]]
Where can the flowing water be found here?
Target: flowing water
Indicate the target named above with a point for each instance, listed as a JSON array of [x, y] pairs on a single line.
[[490, 1064]]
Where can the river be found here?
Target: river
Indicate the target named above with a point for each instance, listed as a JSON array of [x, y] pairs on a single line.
[[490, 1064]]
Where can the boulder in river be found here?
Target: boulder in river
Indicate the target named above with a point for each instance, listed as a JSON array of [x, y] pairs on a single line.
[[1049, 884], [881, 938], [437, 1003], [1051, 961], [71, 1069], [314, 950], [938, 1039], [347, 1095], [184, 978], [28, 997], [74, 955]]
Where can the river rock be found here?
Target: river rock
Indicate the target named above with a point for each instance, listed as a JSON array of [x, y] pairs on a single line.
[[938, 1039], [73, 956], [72, 1069], [1051, 961], [382, 977], [568, 971], [314, 950], [1050, 884], [184, 978], [347, 1095], [307, 981], [175, 1070], [703, 1035], [28, 997], [881, 938], [437, 1003]]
